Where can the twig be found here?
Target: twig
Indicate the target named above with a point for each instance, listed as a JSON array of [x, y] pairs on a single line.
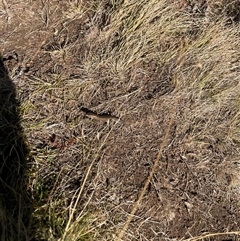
[[121, 234]]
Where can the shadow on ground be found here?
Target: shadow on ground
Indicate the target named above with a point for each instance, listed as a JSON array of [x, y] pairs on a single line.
[[15, 204]]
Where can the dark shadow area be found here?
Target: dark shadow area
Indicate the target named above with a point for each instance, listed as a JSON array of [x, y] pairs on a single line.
[[15, 203]]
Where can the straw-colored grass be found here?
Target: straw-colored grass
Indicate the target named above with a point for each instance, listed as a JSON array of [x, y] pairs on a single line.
[[140, 61]]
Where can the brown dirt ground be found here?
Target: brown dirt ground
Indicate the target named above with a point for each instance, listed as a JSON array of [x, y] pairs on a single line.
[[194, 189]]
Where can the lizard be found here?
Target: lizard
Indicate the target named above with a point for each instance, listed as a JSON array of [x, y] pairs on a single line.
[[103, 117], [94, 115]]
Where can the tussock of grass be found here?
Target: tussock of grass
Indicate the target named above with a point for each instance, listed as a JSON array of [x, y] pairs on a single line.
[[132, 59]]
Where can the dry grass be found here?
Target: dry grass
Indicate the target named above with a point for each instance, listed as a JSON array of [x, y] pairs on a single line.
[[132, 59]]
